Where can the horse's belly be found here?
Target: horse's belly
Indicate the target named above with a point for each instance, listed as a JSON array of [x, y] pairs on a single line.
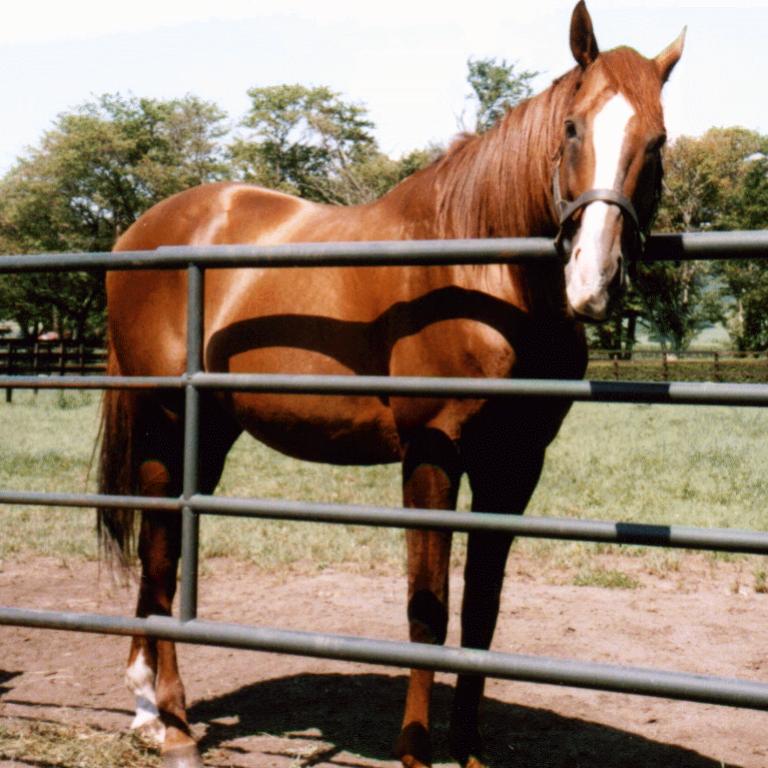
[[329, 429]]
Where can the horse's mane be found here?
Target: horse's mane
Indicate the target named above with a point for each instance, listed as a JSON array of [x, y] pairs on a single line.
[[496, 184]]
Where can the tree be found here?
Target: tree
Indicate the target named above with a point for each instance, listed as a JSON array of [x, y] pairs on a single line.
[[495, 88], [677, 302], [703, 177], [717, 182], [86, 182], [746, 282], [310, 142]]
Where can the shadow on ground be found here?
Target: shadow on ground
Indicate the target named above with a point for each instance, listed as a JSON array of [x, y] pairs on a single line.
[[6, 677], [360, 714]]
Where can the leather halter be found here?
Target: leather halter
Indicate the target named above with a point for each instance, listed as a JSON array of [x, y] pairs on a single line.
[[567, 209]]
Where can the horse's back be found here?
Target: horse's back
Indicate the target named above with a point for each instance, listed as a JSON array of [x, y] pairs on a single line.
[[220, 213], [147, 308]]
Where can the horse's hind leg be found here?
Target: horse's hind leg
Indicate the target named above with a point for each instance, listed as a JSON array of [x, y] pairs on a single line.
[[152, 672], [431, 475]]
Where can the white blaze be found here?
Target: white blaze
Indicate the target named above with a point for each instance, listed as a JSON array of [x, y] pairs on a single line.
[[591, 268]]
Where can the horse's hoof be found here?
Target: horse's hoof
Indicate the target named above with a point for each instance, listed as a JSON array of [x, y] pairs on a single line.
[[467, 750], [182, 757], [409, 761], [152, 730], [414, 747]]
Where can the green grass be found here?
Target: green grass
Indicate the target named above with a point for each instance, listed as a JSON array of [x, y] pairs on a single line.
[[605, 578], [658, 464]]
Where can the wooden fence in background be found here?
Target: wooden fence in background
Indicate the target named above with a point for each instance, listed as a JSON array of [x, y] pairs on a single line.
[[21, 357]]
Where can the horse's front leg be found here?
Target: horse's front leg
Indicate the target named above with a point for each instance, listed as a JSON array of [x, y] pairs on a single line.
[[500, 483], [431, 475]]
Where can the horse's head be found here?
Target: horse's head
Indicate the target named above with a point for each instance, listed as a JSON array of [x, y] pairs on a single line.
[[607, 177]]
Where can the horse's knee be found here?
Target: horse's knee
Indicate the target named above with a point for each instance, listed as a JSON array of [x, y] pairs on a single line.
[[428, 618]]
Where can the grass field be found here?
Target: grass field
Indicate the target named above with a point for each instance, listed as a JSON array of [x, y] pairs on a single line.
[[660, 464]]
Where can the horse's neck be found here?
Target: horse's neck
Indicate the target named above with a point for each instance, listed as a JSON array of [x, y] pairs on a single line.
[[498, 184]]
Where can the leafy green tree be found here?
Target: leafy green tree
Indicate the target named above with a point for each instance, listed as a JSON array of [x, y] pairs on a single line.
[[677, 302], [746, 282], [86, 182], [496, 87], [752, 200], [703, 179], [310, 142]]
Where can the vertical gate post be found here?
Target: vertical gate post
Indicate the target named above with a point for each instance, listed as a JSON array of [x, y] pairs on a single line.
[[190, 520]]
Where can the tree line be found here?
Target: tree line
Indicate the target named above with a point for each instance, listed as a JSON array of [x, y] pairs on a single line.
[[102, 164]]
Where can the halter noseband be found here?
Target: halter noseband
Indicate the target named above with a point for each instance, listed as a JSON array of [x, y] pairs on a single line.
[[567, 209]]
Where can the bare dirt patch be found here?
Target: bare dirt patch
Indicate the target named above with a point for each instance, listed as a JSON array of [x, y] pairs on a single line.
[[267, 711]]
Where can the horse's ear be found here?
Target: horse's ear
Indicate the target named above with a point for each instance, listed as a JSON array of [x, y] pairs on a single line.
[[666, 60], [583, 42]]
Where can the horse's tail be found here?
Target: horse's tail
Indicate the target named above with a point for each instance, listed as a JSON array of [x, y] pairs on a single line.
[[117, 468]]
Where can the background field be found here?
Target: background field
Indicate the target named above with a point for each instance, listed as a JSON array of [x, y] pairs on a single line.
[[658, 464]]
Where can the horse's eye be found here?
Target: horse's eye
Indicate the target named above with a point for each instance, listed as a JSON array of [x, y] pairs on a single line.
[[571, 131]]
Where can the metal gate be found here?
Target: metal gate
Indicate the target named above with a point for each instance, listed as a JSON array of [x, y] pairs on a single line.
[[191, 504]]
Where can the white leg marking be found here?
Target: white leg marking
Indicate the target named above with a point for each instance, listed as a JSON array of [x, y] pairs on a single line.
[[141, 682], [591, 269]]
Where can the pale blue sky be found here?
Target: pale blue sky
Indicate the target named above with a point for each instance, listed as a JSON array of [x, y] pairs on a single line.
[[404, 59]]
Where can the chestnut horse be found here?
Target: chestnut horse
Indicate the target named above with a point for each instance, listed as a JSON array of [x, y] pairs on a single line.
[[582, 159]]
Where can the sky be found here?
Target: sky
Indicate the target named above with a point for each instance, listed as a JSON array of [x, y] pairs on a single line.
[[405, 60]]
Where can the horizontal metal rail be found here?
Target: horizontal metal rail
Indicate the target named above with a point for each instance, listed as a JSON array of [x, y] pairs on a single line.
[[704, 393], [508, 666], [664, 247], [730, 245], [560, 528], [92, 382], [680, 393]]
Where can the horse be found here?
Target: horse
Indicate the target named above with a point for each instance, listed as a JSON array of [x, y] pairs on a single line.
[[580, 162]]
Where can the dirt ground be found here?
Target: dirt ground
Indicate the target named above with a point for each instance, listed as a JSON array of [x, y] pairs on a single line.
[[267, 711]]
